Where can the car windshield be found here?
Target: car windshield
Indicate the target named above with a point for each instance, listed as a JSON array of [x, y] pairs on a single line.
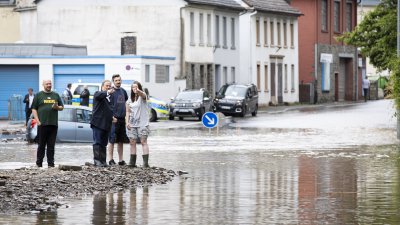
[[189, 95], [235, 91]]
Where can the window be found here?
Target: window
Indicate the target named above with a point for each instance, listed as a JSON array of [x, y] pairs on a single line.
[[224, 37], [233, 75], [66, 115], [191, 28], [292, 78], [201, 29], [209, 29], [284, 34], [233, 40], [286, 78], [265, 77], [162, 74], [147, 74], [83, 116], [217, 31], [349, 17], [265, 32], [271, 27], [291, 34], [258, 31], [7, 2], [324, 15], [278, 27], [336, 16], [258, 75]]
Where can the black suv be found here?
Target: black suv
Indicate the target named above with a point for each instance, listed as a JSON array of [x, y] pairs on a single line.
[[190, 103], [237, 99]]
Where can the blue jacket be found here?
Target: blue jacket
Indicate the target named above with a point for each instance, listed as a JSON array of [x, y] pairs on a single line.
[[102, 111]]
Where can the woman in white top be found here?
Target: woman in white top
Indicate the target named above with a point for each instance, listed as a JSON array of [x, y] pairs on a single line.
[[137, 122]]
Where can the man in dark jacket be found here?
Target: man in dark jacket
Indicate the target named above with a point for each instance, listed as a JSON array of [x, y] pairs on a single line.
[[28, 104], [85, 94], [102, 118]]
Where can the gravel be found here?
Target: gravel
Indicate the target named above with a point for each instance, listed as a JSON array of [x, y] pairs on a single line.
[[29, 190]]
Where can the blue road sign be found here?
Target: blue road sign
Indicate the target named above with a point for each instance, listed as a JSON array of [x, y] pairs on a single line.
[[209, 120]]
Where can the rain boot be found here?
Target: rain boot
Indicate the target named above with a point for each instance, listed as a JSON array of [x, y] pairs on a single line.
[[103, 156], [96, 155], [132, 161], [146, 161]]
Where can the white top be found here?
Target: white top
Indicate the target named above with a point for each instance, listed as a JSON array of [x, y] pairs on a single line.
[[139, 115], [365, 83], [30, 100]]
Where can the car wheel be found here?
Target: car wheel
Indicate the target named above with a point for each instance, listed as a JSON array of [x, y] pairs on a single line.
[[255, 111], [153, 116], [170, 117], [243, 112], [180, 118]]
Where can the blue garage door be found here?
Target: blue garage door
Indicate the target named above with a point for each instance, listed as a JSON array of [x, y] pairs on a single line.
[[64, 74], [16, 80]]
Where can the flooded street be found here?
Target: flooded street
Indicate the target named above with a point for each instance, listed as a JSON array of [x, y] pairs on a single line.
[[332, 165]]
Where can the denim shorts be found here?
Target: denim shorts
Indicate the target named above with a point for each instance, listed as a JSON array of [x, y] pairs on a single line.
[[138, 132]]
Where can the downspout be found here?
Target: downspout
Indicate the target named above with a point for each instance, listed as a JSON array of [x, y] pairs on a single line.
[[251, 46], [316, 55]]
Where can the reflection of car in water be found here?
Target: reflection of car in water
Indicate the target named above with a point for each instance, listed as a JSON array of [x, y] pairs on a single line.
[[73, 125], [237, 99], [190, 103], [158, 107]]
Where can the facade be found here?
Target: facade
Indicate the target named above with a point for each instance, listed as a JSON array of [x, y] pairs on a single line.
[[328, 69], [269, 50], [18, 73], [211, 43], [9, 22]]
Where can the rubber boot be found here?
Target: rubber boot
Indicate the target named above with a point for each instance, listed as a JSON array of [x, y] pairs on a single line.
[[96, 156], [146, 161], [103, 156], [132, 161]]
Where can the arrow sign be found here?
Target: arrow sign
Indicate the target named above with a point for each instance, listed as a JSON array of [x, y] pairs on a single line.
[[209, 120]]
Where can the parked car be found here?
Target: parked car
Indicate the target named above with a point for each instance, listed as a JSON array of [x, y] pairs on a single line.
[[158, 107], [73, 125], [237, 99], [190, 103]]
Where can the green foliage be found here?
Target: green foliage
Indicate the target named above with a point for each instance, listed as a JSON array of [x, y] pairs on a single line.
[[376, 35], [395, 80]]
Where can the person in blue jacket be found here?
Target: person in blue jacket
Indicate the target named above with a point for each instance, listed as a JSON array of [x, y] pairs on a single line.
[[102, 118]]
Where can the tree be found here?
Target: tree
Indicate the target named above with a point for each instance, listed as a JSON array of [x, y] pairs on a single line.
[[376, 35]]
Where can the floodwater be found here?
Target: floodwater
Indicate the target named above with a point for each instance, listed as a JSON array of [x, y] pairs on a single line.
[[338, 165]]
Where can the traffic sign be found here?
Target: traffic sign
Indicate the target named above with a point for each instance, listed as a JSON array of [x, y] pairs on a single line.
[[209, 120]]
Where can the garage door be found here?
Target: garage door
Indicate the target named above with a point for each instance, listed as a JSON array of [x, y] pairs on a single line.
[[16, 80], [64, 74]]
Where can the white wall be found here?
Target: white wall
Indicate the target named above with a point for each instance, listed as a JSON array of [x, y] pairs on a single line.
[[99, 24]]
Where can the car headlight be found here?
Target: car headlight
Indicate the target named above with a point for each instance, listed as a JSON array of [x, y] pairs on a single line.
[[196, 104], [240, 102]]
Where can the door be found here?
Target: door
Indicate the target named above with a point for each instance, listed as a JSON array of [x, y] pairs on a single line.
[[273, 84], [83, 131], [15, 80], [280, 84], [336, 87]]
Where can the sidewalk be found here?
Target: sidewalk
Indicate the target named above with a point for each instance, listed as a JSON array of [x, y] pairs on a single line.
[[11, 127]]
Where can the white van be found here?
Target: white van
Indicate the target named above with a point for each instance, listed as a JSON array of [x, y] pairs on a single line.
[[158, 108]]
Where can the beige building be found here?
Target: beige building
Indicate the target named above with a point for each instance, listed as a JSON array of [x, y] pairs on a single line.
[[9, 22]]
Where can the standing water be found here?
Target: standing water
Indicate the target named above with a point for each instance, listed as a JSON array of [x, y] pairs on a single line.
[[335, 166]]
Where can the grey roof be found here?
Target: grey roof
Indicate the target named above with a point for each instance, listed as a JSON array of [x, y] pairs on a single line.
[[231, 4], [42, 50], [273, 6]]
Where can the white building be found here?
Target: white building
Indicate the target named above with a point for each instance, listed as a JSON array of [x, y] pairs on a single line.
[[269, 50]]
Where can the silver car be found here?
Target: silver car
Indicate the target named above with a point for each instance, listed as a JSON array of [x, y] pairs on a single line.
[[73, 125]]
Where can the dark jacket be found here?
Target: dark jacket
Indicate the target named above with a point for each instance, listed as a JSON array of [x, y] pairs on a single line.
[[85, 97], [102, 111], [26, 101]]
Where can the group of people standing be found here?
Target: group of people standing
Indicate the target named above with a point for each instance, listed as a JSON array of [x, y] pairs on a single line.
[[114, 113]]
